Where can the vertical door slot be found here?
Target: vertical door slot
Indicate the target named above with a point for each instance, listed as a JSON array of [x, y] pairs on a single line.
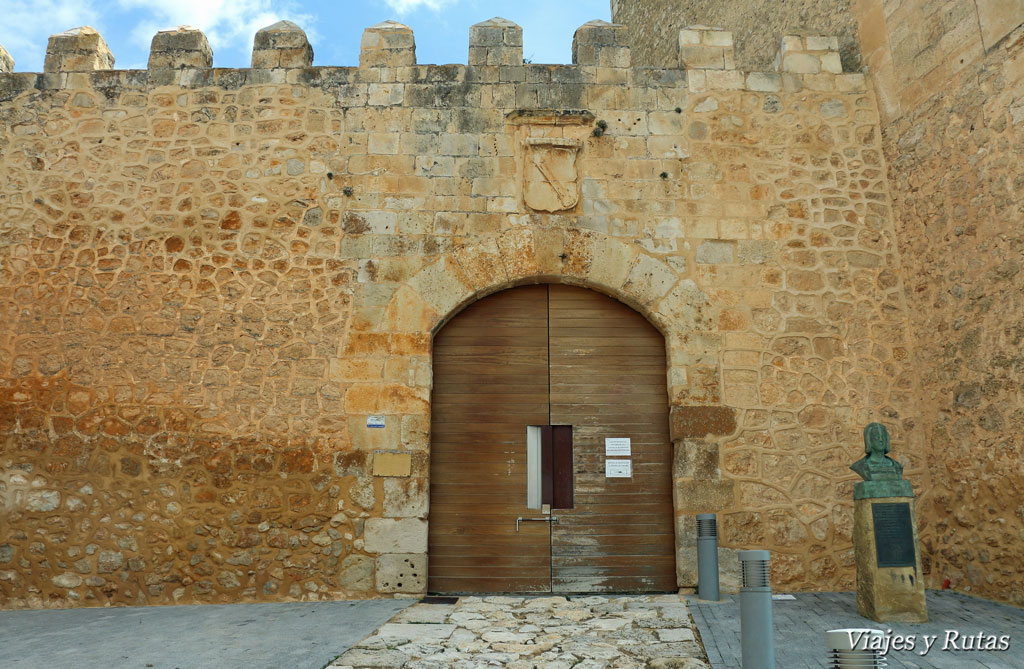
[[561, 466], [534, 499]]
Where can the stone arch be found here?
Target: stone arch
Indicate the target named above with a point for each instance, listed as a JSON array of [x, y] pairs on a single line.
[[442, 288]]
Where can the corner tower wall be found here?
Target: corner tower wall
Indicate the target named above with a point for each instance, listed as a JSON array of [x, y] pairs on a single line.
[[950, 82], [654, 25], [210, 278]]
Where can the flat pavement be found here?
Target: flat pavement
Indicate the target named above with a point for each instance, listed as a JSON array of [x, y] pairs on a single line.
[[513, 632], [801, 623], [251, 636]]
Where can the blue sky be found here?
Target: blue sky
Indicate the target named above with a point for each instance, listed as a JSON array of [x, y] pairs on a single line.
[[441, 27]]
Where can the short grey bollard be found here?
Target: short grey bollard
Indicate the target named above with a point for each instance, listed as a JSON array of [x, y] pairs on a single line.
[[852, 648], [757, 634], [707, 556]]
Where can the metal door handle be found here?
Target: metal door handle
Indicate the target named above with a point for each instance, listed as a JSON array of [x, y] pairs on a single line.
[[545, 519]]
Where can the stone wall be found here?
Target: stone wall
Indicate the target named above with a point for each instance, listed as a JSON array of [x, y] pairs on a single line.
[[757, 25], [209, 279], [952, 84]]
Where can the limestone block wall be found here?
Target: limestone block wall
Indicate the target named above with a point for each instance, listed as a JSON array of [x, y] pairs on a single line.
[[210, 279], [952, 97]]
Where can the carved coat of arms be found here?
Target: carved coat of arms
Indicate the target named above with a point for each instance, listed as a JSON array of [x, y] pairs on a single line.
[[550, 177]]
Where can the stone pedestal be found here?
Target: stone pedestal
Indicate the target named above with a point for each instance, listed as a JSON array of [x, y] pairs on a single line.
[[889, 580]]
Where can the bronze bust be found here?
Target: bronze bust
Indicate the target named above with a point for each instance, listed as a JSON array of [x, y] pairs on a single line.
[[883, 476], [876, 465]]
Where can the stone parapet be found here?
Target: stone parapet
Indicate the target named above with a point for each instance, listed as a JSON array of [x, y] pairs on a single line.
[[282, 54]]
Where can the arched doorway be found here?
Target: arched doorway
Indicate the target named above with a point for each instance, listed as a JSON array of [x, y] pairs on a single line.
[[529, 386]]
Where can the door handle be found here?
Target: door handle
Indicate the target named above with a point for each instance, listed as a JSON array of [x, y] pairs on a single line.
[[545, 519]]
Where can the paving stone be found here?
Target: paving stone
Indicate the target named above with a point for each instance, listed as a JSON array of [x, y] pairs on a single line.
[[425, 613], [531, 633], [415, 632]]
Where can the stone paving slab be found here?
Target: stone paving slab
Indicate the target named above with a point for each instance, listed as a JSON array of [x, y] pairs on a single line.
[[627, 632], [301, 635], [801, 623]]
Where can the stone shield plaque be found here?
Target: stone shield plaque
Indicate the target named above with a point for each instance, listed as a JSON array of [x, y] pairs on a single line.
[[550, 177], [894, 534]]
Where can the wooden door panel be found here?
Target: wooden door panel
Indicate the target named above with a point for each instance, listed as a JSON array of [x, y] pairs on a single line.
[[490, 382], [492, 371], [608, 380]]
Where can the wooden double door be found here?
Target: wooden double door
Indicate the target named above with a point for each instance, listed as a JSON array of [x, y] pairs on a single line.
[[586, 368]]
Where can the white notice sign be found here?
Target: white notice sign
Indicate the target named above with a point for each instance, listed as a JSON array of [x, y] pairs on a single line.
[[618, 469], [375, 421], [616, 446]]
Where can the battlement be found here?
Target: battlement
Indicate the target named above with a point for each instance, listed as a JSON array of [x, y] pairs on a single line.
[[80, 58]]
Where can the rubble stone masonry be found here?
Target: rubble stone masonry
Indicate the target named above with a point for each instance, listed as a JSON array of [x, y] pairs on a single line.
[[210, 278]]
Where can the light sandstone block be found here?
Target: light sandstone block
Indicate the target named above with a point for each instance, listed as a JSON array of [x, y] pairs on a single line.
[[830, 62], [768, 82], [403, 572], [391, 535], [406, 498], [821, 43], [801, 63]]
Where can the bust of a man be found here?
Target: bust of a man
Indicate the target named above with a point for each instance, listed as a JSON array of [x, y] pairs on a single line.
[[876, 465]]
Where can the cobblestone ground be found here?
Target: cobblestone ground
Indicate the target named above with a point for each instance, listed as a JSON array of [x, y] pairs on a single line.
[[535, 632]]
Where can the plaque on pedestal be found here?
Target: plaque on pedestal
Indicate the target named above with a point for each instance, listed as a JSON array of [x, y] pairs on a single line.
[[889, 578]]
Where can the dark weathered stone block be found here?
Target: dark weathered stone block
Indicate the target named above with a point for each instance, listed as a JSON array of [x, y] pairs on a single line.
[[695, 422]]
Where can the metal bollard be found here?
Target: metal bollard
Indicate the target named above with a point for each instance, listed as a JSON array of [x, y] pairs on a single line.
[[707, 557], [757, 633], [849, 649]]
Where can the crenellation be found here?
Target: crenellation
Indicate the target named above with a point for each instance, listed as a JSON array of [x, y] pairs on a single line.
[[180, 48], [388, 44], [601, 44], [281, 45], [6, 62], [282, 54], [77, 50], [808, 54], [705, 48], [497, 42]]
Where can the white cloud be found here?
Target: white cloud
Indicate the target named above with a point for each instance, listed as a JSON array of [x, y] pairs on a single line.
[[406, 6], [27, 24], [226, 23]]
